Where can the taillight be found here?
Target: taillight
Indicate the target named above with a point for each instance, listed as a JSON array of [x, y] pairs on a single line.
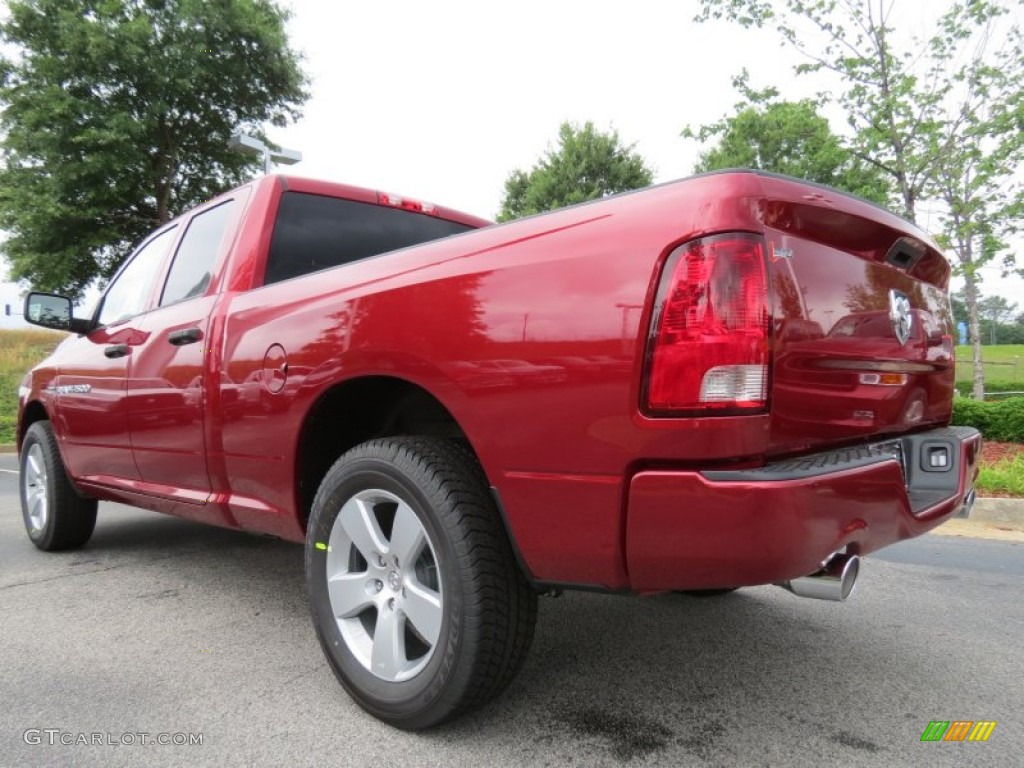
[[708, 351]]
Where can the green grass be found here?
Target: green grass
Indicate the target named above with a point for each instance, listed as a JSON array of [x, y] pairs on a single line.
[[19, 351], [1004, 364], [1004, 477]]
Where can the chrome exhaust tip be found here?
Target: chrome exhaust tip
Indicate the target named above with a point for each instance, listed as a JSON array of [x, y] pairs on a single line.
[[835, 581], [967, 506]]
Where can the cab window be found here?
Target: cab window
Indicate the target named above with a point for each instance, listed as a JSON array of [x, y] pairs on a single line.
[[314, 232], [194, 262], [128, 295]]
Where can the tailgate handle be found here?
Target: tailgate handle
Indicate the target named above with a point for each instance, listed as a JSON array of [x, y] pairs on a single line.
[[116, 350], [184, 336]]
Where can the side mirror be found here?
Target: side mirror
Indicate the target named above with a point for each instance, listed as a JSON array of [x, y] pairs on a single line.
[[52, 311]]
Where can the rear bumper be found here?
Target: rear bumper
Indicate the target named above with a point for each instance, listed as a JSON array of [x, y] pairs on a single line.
[[694, 530]]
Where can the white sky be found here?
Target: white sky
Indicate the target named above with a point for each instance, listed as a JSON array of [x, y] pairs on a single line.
[[441, 100]]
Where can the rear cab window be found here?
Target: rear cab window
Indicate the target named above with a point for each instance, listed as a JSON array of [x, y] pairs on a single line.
[[314, 232]]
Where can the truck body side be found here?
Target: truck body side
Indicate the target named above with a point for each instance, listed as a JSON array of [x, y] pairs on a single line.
[[531, 341]]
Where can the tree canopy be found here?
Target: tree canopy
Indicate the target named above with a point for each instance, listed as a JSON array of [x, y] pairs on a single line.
[[587, 164], [789, 137], [116, 117]]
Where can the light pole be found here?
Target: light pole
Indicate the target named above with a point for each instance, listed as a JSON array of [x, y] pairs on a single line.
[[242, 142]]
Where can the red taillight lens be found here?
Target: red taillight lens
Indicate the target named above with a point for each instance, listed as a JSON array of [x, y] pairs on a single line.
[[709, 350]]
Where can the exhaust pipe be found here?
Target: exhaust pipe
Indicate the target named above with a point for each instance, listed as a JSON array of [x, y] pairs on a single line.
[[967, 506], [835, 581]]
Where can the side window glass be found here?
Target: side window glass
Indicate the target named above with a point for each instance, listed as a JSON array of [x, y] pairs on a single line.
[[314, 232], [193, 263], [128, 294]]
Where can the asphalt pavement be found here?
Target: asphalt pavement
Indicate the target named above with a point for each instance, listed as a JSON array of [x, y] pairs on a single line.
[[165, 627]]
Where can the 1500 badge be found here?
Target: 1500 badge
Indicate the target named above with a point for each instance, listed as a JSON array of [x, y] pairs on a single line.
[[71, 389]]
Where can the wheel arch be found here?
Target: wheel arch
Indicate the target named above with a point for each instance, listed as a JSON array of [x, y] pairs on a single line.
[[32, 412], [360, 409]]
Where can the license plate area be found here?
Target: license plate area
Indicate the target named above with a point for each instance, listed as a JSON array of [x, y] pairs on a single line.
[[933, 465]]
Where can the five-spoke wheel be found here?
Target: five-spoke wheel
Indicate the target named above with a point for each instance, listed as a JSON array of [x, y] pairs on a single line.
[[417, 599], [384, 585], [35, 487]]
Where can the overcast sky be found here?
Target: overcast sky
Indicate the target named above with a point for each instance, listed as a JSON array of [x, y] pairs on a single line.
[[441, 100]]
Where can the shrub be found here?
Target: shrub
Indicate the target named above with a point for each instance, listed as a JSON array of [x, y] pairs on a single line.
[[1001, 420]]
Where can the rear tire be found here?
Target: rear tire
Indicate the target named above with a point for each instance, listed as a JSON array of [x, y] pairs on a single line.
[[56, 516], [417, 600]]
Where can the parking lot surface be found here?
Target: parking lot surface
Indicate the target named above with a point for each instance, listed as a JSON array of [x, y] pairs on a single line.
[[165, 627]]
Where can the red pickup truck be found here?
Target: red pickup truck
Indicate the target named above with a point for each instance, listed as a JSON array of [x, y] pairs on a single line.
[[730, 380]]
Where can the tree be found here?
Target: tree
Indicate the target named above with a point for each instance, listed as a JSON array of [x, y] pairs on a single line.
[[789, 137], [997, 310], [587, 165], [977, 178], [116, 116], [941, 116]]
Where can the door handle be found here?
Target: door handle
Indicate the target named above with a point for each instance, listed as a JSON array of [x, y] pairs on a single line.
[[116, 350], [184, 336]]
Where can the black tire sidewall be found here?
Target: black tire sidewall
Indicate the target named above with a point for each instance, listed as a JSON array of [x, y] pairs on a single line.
[[399, 703], [37, 434]]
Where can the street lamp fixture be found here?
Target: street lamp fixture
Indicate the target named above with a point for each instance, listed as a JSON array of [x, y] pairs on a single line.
[[242, 142]]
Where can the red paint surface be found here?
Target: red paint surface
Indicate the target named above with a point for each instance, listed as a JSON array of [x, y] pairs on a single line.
[[533, 335], [686, 532]]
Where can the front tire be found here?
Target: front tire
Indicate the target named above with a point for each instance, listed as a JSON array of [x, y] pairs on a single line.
[[56, 517], [417, 600]]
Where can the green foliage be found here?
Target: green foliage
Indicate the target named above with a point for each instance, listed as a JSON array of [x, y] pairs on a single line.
[[1000, 420], [910, 101], [116, 115], [1004, 477], [996, 309], [995, 327], [19, 351], [586, 165], [972, 413], [788, 137], [1002, 333], [998, 321]]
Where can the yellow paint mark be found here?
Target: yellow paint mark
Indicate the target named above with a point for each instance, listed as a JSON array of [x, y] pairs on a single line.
[[982, 730]]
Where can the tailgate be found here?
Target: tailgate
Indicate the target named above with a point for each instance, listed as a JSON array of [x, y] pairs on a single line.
[[862, 327]]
